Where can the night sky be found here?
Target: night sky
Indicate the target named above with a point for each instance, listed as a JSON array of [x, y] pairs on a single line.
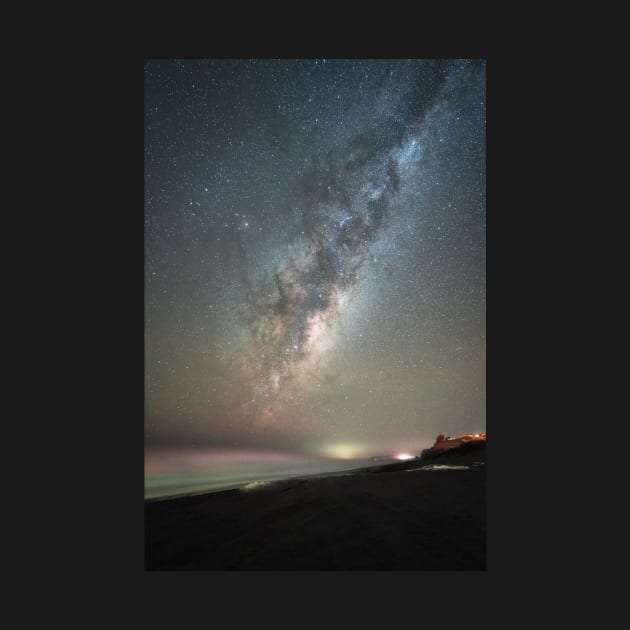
[[314, 254]]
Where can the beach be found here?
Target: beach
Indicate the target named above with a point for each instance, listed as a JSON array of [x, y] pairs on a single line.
[[414, 515]]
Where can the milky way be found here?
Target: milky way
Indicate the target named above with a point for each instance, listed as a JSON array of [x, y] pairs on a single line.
[[315, 238]]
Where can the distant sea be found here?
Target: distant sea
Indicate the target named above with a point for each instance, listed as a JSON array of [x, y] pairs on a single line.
[[214, 472]]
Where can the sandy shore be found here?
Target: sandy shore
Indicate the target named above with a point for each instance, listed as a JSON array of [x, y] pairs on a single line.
[[383, 518]]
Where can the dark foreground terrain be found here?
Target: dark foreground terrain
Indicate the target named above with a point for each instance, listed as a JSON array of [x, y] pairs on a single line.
[[388, 517]]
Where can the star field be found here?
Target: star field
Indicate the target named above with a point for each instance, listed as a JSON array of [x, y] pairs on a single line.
[[314, 253]]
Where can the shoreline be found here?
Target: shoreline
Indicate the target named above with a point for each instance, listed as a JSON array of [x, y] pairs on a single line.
[[255, 478], [262, 482], [448, 458]]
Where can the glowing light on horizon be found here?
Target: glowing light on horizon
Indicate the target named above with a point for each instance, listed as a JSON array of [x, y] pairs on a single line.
[[341, 451], [404, 456]]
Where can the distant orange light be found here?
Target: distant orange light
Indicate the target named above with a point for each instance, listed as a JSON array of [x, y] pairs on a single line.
[[404, 456]]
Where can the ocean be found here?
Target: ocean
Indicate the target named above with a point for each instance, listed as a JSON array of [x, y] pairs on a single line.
[[171, 473]]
